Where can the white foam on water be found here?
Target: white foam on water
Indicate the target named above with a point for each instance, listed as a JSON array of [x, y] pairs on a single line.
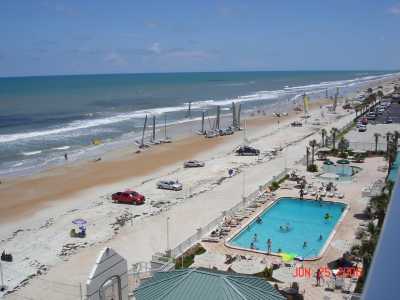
[[31, 153], [61, 148]]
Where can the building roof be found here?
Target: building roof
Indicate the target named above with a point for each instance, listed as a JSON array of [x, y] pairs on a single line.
[[196, 284]]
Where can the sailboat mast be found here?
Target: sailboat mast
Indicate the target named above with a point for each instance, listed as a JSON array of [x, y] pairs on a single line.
[[218, 117], [238, 117], [233, 115], [154, 128], [165, 125], [202, 121], [144, 129]]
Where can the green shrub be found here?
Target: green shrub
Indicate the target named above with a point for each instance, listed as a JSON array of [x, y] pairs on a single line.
[[188, 257], [274, 186]]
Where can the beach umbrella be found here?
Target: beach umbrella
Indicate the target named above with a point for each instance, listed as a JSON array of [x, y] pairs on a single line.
[[324, 149], [79, 222], [248, 266], [328, 162], [210, 260], [287, 257]]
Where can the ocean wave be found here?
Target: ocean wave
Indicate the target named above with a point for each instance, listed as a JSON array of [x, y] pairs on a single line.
[[30, 153]]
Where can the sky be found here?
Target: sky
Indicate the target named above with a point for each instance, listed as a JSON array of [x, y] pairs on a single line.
[[52, 37]]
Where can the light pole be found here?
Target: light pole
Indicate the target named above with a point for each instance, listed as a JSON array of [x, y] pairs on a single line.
[[2, 286], [167, 234], [244, 185]]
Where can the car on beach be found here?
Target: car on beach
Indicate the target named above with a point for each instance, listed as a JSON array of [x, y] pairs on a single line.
[[193, 164], [362, 128], [226, 131], [247, 151], [169, 185], [128, 197]]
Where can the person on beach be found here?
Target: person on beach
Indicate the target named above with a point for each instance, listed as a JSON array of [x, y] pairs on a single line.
[[66, 156], [304, 244], [269, 245]]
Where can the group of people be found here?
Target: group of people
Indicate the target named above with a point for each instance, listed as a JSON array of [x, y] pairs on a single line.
[[285, 228], [255, 239]]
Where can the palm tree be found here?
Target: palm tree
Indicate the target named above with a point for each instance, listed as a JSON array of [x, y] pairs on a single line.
[[376, 135], [312, 144], [334, 131], [323, 135], [380, 95], [396, 139], [388, 136]]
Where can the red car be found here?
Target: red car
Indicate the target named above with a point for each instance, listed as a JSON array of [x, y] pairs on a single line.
[[128, 197], [364, 121]]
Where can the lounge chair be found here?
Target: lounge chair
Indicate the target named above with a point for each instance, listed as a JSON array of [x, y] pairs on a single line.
[[339, 283], [331, 194]]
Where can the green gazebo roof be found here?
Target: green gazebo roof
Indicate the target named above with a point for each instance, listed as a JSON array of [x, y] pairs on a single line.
[[199, 284]]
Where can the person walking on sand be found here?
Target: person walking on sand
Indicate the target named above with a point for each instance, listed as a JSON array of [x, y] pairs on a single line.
[[66, 156], [269, 245]]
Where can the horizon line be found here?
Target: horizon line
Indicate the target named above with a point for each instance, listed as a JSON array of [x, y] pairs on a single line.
[[188, 72]]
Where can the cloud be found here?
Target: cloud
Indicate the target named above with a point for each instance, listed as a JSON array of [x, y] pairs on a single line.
[[151, 24], [395, 10], [115, 59], [155, 48], [188, 54]]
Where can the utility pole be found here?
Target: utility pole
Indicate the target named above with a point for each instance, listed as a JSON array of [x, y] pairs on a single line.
[[168, 234], [2, 286]]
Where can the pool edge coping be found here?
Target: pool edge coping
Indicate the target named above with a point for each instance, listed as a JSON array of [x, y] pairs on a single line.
[[251, 220]]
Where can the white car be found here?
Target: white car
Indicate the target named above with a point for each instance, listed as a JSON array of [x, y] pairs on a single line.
[[169, 185], [193, 164], [362, 128]]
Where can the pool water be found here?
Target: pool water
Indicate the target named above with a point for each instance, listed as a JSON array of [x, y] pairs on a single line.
[[341, 170], [306, 220]]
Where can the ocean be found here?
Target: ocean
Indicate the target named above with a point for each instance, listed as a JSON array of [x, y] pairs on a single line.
[[42, 118]]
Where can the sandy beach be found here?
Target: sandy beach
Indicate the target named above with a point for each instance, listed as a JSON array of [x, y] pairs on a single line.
[[36, 223]]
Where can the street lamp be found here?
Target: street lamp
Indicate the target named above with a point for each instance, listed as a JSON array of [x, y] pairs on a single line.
[[167, 234]]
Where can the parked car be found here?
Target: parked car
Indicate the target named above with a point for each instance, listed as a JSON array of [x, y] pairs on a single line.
[[169, 185], [371, 116], [128, 197], [388, 120], [193, 164], [362, 128], [247, 151]]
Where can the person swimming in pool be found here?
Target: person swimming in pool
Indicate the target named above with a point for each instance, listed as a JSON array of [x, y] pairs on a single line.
[[258, 220], [305, 244], [327, 216], [255, 238], [320, 237], [252, 246], [269, 245]]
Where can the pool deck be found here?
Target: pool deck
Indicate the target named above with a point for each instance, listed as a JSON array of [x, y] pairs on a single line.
[[341, 241]]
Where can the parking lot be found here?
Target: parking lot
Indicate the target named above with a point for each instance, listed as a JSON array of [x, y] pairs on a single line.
[[366, 140]]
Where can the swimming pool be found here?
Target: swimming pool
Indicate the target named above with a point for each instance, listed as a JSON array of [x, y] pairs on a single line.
[[306, 220]]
